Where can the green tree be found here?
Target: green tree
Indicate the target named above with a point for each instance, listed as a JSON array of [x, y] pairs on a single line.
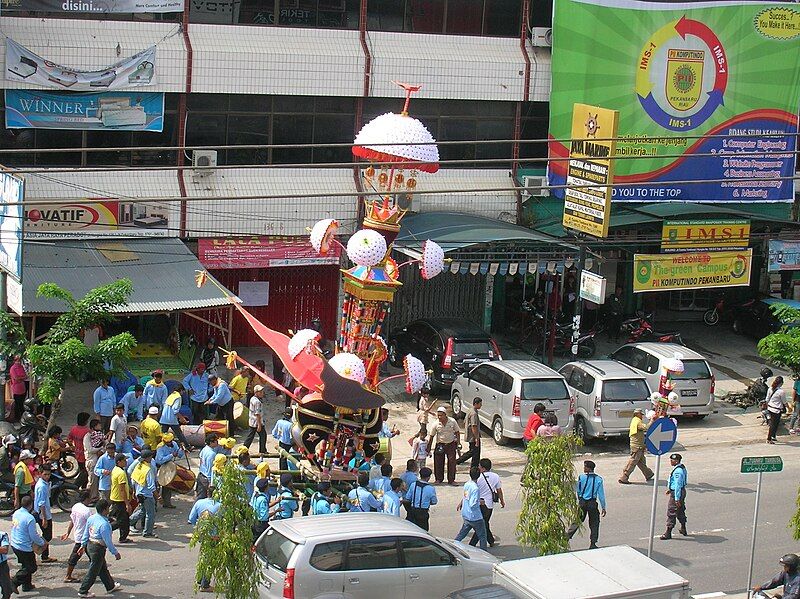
[[794, 523], [783, 347], [226, 541], [14, 340], [549, 503], [62, 355]]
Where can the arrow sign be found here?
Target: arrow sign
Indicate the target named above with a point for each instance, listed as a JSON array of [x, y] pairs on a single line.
[[661, 436]]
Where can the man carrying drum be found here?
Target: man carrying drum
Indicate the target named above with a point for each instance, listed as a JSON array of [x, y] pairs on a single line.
[[168, 451]]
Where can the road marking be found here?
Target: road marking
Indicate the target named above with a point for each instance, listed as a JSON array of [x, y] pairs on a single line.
[[694, 532]]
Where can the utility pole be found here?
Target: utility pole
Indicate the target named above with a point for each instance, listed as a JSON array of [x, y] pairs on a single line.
[[576, 319]]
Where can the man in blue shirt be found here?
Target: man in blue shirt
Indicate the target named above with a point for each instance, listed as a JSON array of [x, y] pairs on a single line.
[[203, 508], [590, 490], [22, 538], [102, 470], [168, 451], [105, 400], [324, 502], [96, 539], [169, 415], [282, 432], [41, 507], [391, 498], [470, 507], [207, 455], [132, 444], [361, 498], [286, 500], [222, 398], [421, 495], [260, 504], [676, 489], [134, 403], [155, 391], [6, 587], [383, 482], [410, 475], [196, 385], [143, 477]]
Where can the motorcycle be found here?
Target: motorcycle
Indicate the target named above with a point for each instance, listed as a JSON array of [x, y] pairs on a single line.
[[62, 493], [642, 330], [563, 342], [68, 465]]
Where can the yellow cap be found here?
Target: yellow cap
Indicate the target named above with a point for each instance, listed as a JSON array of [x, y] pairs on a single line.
[[227, 442], [219, 462], [262, 470], [240, 450], [167, 437]]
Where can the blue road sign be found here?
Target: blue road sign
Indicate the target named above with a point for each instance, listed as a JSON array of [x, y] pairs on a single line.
[[661, 436]]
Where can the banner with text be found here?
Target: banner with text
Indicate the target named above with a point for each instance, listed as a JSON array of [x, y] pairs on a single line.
[[696, 270], [95, 216], [93, 6], [783, 255], [33, 109], [262, 252], [706, 92], [22, 65], [706, 235]]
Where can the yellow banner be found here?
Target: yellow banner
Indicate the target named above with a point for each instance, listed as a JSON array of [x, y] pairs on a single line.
[[592, 145], [705, 235], [696, 270]]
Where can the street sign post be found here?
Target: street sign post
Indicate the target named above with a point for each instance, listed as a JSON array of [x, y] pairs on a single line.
[[659, 439], [760, 465]]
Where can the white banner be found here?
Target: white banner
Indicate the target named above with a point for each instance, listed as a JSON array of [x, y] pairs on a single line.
[[23, 65], [94, 6]]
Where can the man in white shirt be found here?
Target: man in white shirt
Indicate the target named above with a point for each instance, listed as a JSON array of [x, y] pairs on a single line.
[[488, 484], [118, 427], [77, 525]]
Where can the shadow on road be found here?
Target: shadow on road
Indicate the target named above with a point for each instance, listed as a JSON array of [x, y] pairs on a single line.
[[709, 488]]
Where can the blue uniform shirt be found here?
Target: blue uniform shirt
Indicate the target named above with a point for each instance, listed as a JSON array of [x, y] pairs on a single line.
[[168, 453], [105, 462], [287, 505], [133, 404], [105, 400], [383, 483], [23, 531], [99, 529], [408, 478], [170, 409], [207, 455], [282, 431], [391, 503], [362, 500], [590, 486], [471, 503], [41, 498], [422, 494], [128, 444], [249, 480], [260, 505], [222, 394], [199, 386], [203, 505], [677, 482], [320, 505], [4, 542], [148, 489], [154, 395]]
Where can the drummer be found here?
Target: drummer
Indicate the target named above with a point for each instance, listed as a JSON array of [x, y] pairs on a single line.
[[132, 444], [143, 476], [170, 413], [168, 451]]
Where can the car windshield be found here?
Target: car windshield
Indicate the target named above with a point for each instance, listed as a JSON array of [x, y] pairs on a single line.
[[693, 369], [544, 389], [481, 348], [454, 547], [275, 549], [625, 390]]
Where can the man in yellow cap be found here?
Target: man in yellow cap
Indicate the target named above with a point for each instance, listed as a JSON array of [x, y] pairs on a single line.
[[217, 469], [226, 445], [151, 429], [168, 451]]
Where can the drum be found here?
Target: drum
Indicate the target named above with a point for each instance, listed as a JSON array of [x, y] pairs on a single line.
[[241, 415], [195, 434], [166, 472], [183, 481], [386, 448], [220, 427]]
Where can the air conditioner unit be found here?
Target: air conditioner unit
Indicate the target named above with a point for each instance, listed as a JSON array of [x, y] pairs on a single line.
[[204, 161], [536, 186], [542, 37]]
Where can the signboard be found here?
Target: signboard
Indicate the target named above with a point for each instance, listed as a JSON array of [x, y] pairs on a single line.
[[783, 255], [661, 436], [11, 224], [24, 66], [81, 7], [587, 209], [696, 270], [262, 252], [593, 287], [707, 112], [254, 293], [100, 216], [705, 235], [121, 111], [218, 12], [772, 463], [14, 295]]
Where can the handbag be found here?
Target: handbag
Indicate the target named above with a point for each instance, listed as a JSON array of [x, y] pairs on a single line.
[[495, 494]]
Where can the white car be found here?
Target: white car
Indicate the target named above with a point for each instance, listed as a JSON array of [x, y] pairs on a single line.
[[364, 556]]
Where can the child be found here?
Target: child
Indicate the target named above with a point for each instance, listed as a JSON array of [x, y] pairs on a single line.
[[419, 450], [55, 446], [550, 427]]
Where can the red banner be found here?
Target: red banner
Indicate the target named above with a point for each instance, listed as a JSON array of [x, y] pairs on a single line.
[[262, 252]]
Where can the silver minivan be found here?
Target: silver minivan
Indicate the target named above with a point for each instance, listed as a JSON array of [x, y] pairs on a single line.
[[606, 394], [363, 556], [509, 390], [694, 386]]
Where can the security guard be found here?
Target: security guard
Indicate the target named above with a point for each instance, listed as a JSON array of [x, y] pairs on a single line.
[[361, 498], [676, 489], [590, 491], [323, 501], [421, 495]]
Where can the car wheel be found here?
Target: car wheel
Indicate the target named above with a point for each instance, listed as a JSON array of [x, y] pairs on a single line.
[[497, 432], [737, 326], [455, 402], [581, 430], [394, 355]]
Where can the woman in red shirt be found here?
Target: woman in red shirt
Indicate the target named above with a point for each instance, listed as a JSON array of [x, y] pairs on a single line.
[[75, 438], [18, 390]]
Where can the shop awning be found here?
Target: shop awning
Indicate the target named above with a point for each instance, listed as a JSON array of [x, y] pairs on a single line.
[[162, 271]]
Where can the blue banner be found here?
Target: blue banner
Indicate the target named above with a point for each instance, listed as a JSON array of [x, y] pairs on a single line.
[[124, 111]]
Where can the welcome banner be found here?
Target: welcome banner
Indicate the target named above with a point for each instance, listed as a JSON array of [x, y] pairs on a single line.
[[706, 91]]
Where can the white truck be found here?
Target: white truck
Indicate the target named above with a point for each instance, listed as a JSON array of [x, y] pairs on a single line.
[[609, 572]]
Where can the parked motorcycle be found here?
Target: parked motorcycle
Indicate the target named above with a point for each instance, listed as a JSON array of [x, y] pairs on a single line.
[[563, 342], [641, 329], [62, 493]]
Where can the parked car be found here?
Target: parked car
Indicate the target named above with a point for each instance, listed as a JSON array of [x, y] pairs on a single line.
[[695, 386], [606, 393], [363, 556], [510, 389], [447, 347], [756, 318]]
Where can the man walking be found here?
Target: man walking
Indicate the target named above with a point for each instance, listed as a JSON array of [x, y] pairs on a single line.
[[636, 434], [207, 455], [473, 434], [23, 537], [96, 539], [491, 491], [143, 475], [120, 497], [41, 506], [6, 587], [168, 451], [79, 515], [421, 495], [590, 491], [447, 436], [196, 385], [155, 391], [470, 510], [169, 415], [256, 420], [118, 427], [282, 432], [615, 309], [151, 429], [222, 398], [104, 400], [676, 489], [103, 470]]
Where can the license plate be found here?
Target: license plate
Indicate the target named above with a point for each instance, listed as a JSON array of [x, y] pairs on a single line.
[[688, 392], [625, 414]]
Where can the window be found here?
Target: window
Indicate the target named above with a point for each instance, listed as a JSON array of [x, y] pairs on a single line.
[[457, 17], [544, 389], [651, 365], [588, 384], [328, 557], [480, 374], [625, 390], [506, 384], [472, 348], [275, 549], [624, 355], [373, 554], [292, 129], [466, 19], [693, 369], [494, 379], [421, 553]]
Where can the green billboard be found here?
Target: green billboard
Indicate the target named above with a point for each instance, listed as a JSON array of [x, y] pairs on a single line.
[[707, 94]]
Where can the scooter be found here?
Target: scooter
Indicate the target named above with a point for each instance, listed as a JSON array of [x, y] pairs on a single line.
[[564, 342], [644, 331]]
